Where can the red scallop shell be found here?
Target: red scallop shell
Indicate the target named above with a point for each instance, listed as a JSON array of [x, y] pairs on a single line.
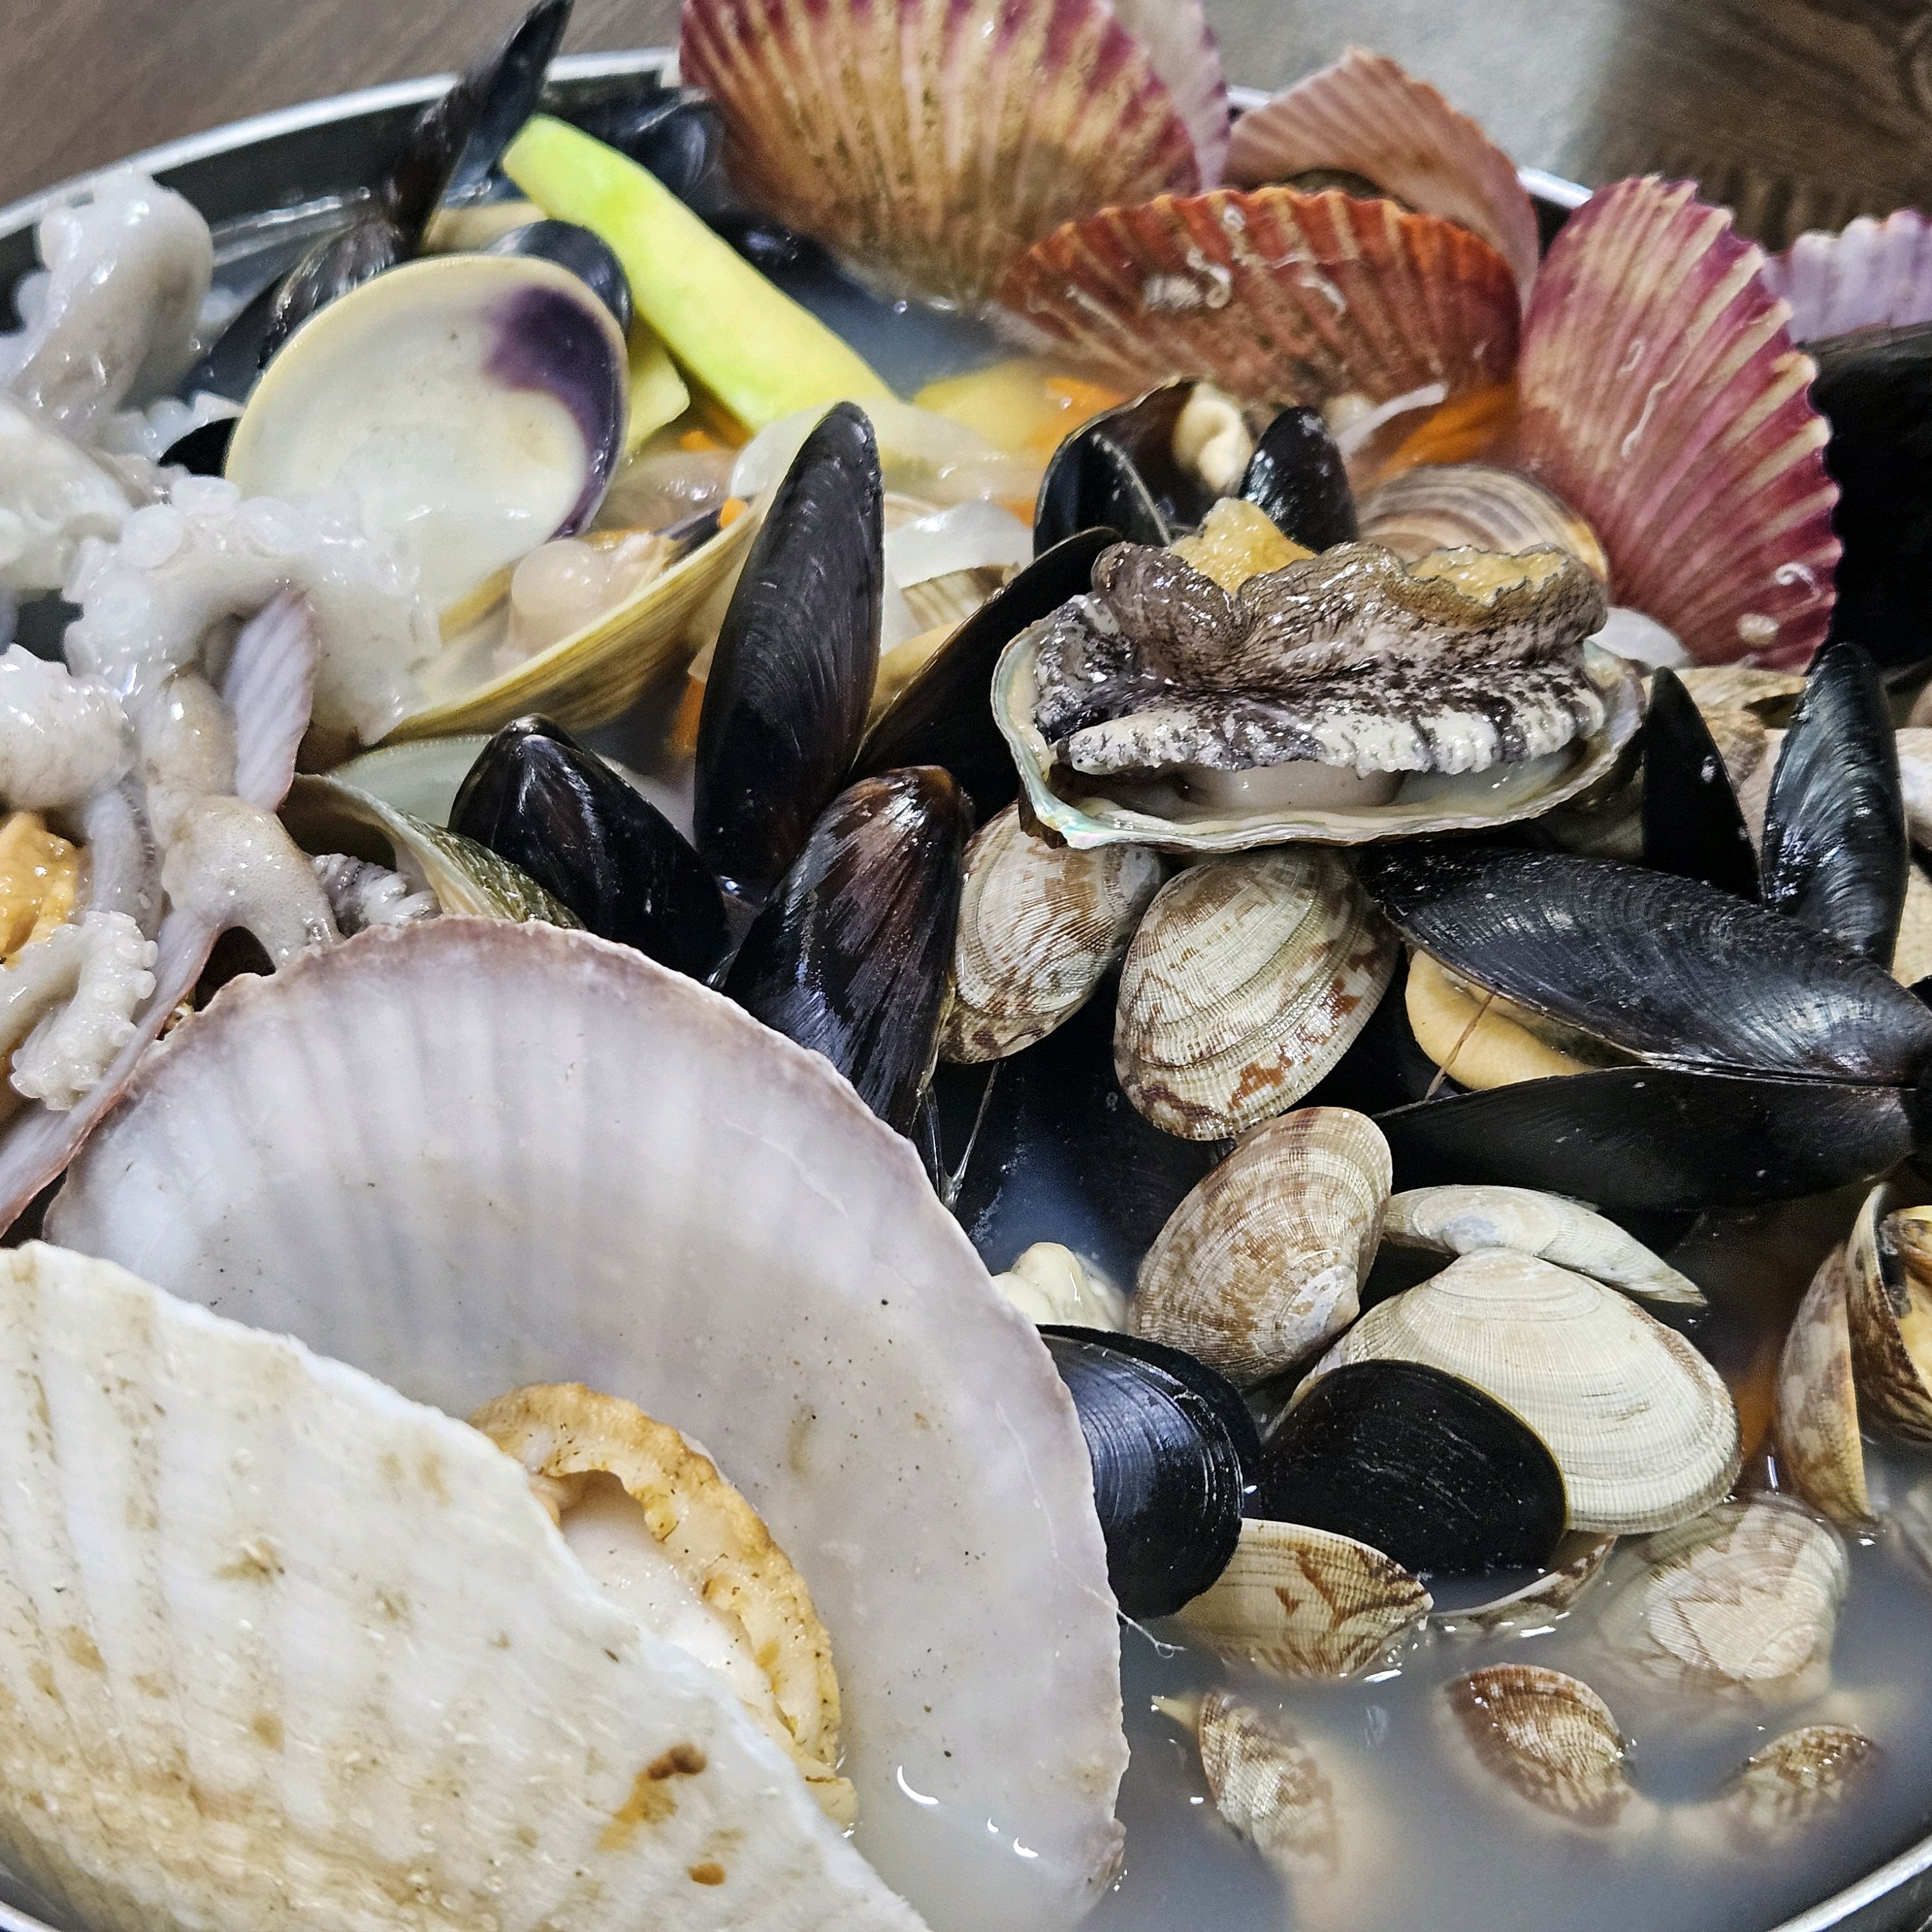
[[1369, 116], [1278, 296], [930, 141], [1662, 399], [1870, 275]]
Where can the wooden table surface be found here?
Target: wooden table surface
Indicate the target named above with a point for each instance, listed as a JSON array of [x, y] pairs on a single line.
[[1801, 112]]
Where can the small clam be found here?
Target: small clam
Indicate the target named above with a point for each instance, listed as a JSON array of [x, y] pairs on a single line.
[[1049, 1283], [1474, 505], [1641, 1425], [1549, 1738], [1268, 1785], [1888, 1299], [1263, 1262], [1577, 1563], [1786, 1786], [1297, 1602], [1248, 979], [1040, 926], [1818, 1442], [1462, 1220]]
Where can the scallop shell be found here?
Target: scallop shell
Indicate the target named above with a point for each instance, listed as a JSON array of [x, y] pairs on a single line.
[[1887, 1300], [1297, 1602], [1475, 506], [1179, 44], [1270, 1786], [1870, 275], [1249, 979], [1464, 1219], [1549, 1738], [1663, 400], [1641, 1425], [379, 1149], [365, 1684], [1578, 1563], [1009, 117], [1276, 296], [1366, 115], [1040, 926], [1263, 1262], [1817, 1432]]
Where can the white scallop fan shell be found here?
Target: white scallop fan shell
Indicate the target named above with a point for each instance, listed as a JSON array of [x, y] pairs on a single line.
[[1870, 275], [282, 1646], [269, 687], [466, 1155]]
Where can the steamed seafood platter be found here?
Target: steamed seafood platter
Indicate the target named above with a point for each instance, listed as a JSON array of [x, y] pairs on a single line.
[[939, 995]]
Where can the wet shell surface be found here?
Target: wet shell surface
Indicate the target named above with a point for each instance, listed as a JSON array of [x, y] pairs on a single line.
[[1818, 1442], [1474, 506], [1298, 1603], [1263, 1261], [1797, 1779], [1888, 1299], [1641, 1425], [1007, 120], [1248, 978], [1275, 296], [1579, 1561], [1548, 1738], [1040, 926], [1365, 115], [1270, 1786], [1870, 275], [1662, 399]]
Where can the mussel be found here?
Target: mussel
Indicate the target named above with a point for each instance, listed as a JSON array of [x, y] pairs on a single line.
[[1692, 823], [1298, 476], [784, 707], [673, 131], [1120, 472], [555, 809], [850, 956]]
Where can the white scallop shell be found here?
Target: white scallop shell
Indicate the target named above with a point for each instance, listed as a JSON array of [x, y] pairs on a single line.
[[283, 1647], [467, 1155]]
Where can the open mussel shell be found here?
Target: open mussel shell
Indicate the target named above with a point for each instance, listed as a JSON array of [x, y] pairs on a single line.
[[1298, 476], [675, 132], [1264, 1262], [588, 256], [1119, 471], [784, 707], [1418, 1464], [1641, 1425], [1888, 1303], [1168, 1472], [850, 956], [1692, 823], [1547, 1738], [506, 87], [557, 812], [1818, 1443], [1476, 506]]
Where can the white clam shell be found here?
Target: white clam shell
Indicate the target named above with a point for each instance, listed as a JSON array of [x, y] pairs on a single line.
[[1640, 1423], [468, 1155], [281, 1645], [1817, 1414]]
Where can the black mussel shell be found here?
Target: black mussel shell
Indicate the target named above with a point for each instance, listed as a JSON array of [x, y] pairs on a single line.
[[675, 132], [503, 91], [371, 244], [1875, 387], [203, 451], [944, 715], [850, 958], [1168, 1474], [1655, 1138], [538, 798], [234, 359], [785, 705], [1669, 969], [1420, 1465], [1298, 478], [587, 256], [1119, 471], [1836, 855], [1693, 825]]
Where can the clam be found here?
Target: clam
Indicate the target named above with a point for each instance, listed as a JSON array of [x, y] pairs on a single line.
[[1246, 982], [1818, 1444], [1641, 1425], [1296, 1602], [1888, 1302], [1693, 824], [784, 707], [1466, 1219], [1549, 1739], [1576, 1565], [849, 955], [1270, 1787], [1420, 1465], [1796, 1781], [1263, 1263], [1040, 926], [1049, 1283], [1475, 506]]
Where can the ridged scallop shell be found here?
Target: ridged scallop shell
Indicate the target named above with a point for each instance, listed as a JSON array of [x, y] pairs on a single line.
[[1476, 506], [1463, 1219], [1040, 926], [297, 1647], [380, 1148], [1870, 275], [1263, 1262], [1887, 1302], [1819, 1447], [1248, 979], [1271, 1787], [1641, 1425], [1299, 1603], [930, 143], [1365, 115], [1578, 1563], [1548, 1738], [1274, 295], [1662, 399], [1180, 46]]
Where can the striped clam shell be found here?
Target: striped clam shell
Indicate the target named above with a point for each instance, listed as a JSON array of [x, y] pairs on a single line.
[[1548, 1738], [1475, 506], [1263, 1262], [1270, 1786], [1888, 1299], [1249, 979], [1040, 926], [1818, 1445]]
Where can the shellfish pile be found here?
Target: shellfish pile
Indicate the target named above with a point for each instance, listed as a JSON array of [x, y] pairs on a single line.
[[737, 703]]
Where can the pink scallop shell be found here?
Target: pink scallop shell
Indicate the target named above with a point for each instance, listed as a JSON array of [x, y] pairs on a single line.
[[1279, 296], [1870, 275], [1368, 115], [1662, 399], [1180, 46], [931, 141]]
